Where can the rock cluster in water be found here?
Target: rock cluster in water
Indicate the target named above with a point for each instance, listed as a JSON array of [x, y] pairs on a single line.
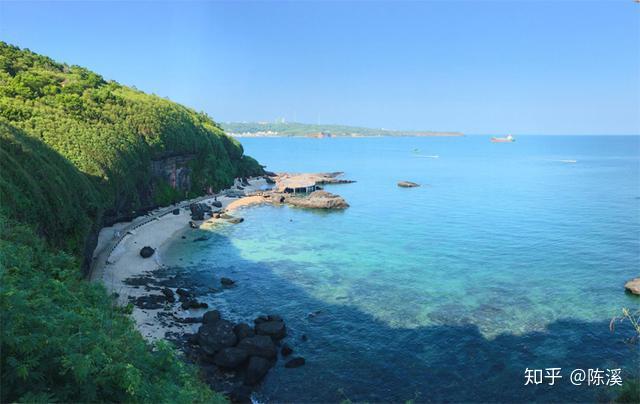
[[246, 352]]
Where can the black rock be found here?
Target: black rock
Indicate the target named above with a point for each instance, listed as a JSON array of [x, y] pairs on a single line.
[[213, 337], [211, 317], [274, 329], [146, 252], [203, 238], [230, 358], [227, 281], [168, 293], [274, 317], [193, 304], [197, 216], [286, 350], [236, 220], [217, 204], [176, 211], [182, 292], [259, 345], [243, 330], [304, 337], [256, 370], [261, 319], [189, 320], [294, 362], [241, 395]]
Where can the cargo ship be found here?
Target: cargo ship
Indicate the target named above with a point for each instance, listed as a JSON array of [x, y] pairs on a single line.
[[507, 139]]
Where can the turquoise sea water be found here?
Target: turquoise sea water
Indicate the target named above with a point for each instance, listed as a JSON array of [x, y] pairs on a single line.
[[504, 258]]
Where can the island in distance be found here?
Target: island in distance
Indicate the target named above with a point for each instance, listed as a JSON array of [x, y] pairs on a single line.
[[292, 129]]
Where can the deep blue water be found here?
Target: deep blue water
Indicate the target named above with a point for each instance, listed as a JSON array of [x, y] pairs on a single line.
[[504, 258]]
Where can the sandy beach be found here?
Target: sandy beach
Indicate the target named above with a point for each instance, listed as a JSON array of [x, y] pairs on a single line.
[[113, 266]]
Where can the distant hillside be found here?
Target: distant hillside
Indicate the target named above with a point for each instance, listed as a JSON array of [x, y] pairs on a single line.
[[277, 129]]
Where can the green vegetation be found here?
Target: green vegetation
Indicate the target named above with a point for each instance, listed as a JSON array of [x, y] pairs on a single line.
[[305, 129], [110, 133], [63, 341], [76, 151]]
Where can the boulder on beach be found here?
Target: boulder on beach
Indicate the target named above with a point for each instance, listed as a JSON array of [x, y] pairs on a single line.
[[633, 286], [256, 370], [217, 204], [407, 184], [294, 362], [146, 252], [259, 345], [176, 211], [213, 337]]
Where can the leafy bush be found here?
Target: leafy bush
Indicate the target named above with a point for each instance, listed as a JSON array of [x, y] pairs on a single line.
[[63, 340]]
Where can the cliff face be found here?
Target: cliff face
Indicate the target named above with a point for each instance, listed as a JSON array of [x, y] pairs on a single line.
[[174, 170]]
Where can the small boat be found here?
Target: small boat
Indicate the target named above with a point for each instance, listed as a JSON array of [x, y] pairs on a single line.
[[507, 139]]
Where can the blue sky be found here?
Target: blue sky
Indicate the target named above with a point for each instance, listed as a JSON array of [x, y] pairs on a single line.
[[539, 67]]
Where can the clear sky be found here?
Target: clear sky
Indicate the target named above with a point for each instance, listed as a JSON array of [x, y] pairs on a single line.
[[541, 67]]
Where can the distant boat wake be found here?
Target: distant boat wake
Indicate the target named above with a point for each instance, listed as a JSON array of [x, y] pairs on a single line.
[[567, 161], [435, 156]]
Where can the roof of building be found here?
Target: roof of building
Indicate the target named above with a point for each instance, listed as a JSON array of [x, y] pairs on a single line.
[[295, 181]]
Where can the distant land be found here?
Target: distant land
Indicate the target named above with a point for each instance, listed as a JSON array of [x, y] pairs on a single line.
[[290, 129]]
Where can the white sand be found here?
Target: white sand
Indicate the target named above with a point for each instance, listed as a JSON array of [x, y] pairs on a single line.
[[112, 268]]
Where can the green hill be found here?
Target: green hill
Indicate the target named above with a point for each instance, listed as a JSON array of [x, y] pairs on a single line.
[[269, 129], [76, 152]]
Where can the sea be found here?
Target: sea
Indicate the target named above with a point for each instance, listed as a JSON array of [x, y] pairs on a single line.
[[509, 260]]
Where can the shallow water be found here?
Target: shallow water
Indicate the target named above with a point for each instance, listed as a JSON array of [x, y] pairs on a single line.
[[505, 258]]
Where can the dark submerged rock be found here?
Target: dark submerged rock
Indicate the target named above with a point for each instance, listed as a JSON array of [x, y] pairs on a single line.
[[286, 350], [176, 211], [227, 281], [256, 370], [295, 362], [217, 204], [236, 220], [146, 252]]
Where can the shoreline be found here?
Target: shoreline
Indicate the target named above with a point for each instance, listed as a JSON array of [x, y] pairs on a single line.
[[117, 259]]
